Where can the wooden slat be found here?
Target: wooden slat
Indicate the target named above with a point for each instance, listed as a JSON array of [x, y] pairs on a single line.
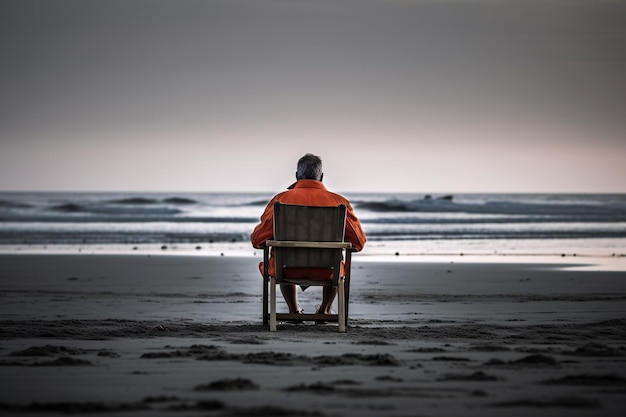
[[306, 244], [307, 317]]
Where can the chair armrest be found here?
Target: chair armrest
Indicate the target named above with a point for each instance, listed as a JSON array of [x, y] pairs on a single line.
[[307, 244]]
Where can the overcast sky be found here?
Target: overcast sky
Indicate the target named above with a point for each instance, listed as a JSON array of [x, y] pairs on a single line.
[[394, 95]]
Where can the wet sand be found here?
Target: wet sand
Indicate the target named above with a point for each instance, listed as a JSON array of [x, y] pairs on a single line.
[[182, 335]]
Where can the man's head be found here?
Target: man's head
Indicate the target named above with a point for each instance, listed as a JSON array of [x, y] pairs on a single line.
[[309, 168]]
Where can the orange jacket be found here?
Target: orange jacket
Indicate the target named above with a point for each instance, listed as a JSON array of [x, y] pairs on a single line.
[[306, 193]]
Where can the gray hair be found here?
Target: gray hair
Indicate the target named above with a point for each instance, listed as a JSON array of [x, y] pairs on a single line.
[[309, 168]]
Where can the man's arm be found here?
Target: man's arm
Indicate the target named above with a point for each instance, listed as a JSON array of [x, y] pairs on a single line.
[[265, 229], [354, 232]]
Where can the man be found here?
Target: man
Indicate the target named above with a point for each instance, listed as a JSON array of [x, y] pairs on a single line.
[[308, 190]]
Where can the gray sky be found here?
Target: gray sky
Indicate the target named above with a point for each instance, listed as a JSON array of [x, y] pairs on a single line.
[[394, 95]]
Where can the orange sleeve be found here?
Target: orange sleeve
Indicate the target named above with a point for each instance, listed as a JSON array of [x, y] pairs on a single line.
[[354, 232], [265, 229]]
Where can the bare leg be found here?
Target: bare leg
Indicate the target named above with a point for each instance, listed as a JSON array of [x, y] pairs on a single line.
[[328, 296], [290, 295]]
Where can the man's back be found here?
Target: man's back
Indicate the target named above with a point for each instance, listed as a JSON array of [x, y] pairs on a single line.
[[308, 193]]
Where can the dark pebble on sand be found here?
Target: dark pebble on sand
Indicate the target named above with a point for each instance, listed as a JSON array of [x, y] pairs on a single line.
[[589, 380], [537, 359], [236, 384]]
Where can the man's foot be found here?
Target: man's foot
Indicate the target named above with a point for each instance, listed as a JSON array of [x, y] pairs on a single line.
[[301, 311], [318, 308]]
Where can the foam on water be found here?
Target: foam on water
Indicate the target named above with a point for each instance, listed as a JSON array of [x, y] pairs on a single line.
[[394, 223]]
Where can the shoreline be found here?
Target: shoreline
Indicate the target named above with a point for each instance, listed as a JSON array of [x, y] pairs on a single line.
[[575, 258]]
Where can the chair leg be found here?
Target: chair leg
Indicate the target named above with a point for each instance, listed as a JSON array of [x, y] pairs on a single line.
[[347, 297], [341, 305], [265, 310], [272, 304]]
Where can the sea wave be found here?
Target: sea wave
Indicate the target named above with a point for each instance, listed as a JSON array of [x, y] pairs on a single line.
[[144, 201], [111, 210], [225, 217], [564, 210], [135, 200], [154, 218], [13, 204], [262, 203], [179, 200], [34, 237]]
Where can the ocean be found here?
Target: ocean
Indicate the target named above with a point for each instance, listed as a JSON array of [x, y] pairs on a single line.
[[407, 224]]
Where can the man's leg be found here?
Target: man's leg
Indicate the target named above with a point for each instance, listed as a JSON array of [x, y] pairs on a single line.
[[290, 294], [328, 296]]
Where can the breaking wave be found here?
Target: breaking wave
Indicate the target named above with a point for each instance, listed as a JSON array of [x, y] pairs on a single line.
[[47, 218]]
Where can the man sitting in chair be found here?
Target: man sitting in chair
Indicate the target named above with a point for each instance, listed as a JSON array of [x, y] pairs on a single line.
[[308, 190]]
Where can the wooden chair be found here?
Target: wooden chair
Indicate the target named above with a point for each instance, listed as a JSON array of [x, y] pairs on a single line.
[[307, 237]]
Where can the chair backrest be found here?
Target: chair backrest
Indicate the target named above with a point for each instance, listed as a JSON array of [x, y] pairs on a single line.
[[310, 224]]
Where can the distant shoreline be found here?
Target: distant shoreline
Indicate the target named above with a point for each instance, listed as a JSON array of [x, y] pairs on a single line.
[[374, 252]]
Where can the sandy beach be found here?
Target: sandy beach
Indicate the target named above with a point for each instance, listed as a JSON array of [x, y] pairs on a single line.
[[182, 336]]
